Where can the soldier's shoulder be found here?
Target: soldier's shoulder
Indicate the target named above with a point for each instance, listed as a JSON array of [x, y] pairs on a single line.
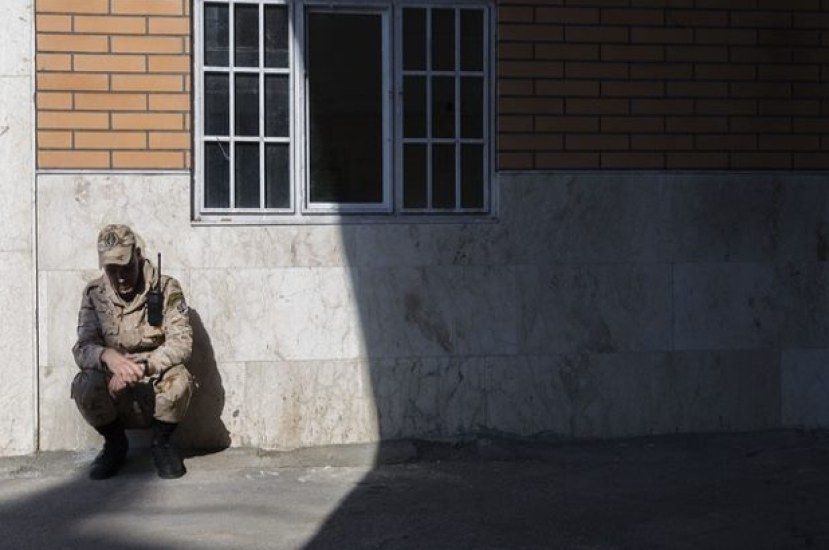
[[96, 285]]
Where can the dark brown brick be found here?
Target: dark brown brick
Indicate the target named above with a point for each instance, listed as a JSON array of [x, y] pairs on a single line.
[[696, 54], [725, 142], [761, 19], [632, 124], [575, 69], [512, 123], [596, 142], [697, 18], [807, 125], [760, 124], [661, 35], [631, 160], [635, 88], [570, 88], [530, 33], [726, 37], [567, 52], [515, 161], [515, 14], [619, 52], [725, 71], [531, 69], [631, 16], [598, 106], [742, 54], [801, 107], [699, 161], [761, 161], [726, 107], [567, 160], [789, 142], [697, 89], [696, 124], [815, 161], [530, 105], [662, 142], [662, 106], [586, 16], [530, 142], [515, 87], [588, 124], [596, 34], [760, 90], [657, 71]]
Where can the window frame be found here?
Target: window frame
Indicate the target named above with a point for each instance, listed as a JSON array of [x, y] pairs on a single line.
[[300, 211]]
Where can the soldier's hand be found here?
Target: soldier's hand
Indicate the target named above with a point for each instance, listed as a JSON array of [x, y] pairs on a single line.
[[116, 385], [122, 367]]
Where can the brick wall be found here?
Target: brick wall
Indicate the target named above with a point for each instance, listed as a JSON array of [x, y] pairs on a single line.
[[656, 84], [113, 84]]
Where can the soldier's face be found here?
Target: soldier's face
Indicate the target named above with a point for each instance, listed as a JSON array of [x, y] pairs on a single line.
[[125, 278]]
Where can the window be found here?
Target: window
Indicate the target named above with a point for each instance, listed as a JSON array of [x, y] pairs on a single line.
[[308, 109]]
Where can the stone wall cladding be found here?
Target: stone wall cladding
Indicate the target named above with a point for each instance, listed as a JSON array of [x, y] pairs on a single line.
[[113, 84], [656, 84]]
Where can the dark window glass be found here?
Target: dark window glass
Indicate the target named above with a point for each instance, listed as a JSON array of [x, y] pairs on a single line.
[[345, 99], [277, 105], [246, 33], [414, 176], [443, 40], [472, 176], [216, 35], [414, 39], [216, 104], [472, 107], [414, 106], [443, 176], [247, 105], [443, 107], [247, 175], [277, 176], [216, 175], [276, 36], [472, 40]]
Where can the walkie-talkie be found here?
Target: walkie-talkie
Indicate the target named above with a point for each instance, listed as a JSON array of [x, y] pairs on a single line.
[[155, 300]]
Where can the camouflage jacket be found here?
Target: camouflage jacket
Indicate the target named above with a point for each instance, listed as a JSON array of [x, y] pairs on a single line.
[[106, 321]]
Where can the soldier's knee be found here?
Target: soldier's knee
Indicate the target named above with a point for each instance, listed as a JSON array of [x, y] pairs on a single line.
[[174, 391], [87, 386]]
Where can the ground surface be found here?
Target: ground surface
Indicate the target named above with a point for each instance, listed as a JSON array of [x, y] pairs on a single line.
[[752, 491]]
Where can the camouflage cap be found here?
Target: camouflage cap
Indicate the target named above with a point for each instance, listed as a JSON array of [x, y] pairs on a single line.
[[115, 245]]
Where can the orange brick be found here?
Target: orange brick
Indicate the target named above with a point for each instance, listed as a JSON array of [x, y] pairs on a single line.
[[596, 142], [149, 83], [71, 43], [567, 160], [54, 62], [155, 160], [188, 159], [170, 25], [147, 44], [110, 24], [54, 23], [54, 100], [148, 7], [567, 124], [110, 102], [530, 142], [169, 63], [72, 81], [72, 120], [110, 63], [697, 160], [75, 6], [170, 140], [515, 161], [54, 140], [147, 121], [169, 102], [110, 140], [73, 159], [633, 160]]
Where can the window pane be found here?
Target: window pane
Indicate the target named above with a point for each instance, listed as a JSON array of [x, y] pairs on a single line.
[[216, 35], [277, 176], [443, 40], [276, 36], [277, 98], [246, 32], [247, 175], [216, 175], [472, 40], [414, 39], [443, 107], [472, 176], [443, 176], [345, 107], [414, 176], [414, 106], [247, 105], [472, 107], [216, 104]]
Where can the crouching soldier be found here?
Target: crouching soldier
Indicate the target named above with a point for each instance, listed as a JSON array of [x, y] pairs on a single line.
[[134, 337]]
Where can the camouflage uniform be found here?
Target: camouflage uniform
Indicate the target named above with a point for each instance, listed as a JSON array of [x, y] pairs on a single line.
[[106, 321]]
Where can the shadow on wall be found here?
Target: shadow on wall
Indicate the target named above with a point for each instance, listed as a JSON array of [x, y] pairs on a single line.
[[202, 428]]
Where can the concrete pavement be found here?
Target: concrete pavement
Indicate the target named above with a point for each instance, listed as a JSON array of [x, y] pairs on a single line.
[[753, 491]]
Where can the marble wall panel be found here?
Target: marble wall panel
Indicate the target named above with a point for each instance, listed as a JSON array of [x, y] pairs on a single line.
[[803, 219], [803, 315], [586, 217], [300, 404], [17, 371], [61, 425], [16, 142], [16, 30], [438, 311], [526, 396], [721, 306], [595, 308], [277, 315], [804, 388]]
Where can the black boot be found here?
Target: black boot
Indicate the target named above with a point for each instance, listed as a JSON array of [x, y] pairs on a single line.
[[114, 453], [168, 462]]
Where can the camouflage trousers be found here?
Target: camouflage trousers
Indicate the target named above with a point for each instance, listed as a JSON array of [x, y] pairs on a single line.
[[164, 397]]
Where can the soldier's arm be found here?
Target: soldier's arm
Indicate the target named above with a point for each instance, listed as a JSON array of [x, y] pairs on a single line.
[[90, 344], [178, 335]]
